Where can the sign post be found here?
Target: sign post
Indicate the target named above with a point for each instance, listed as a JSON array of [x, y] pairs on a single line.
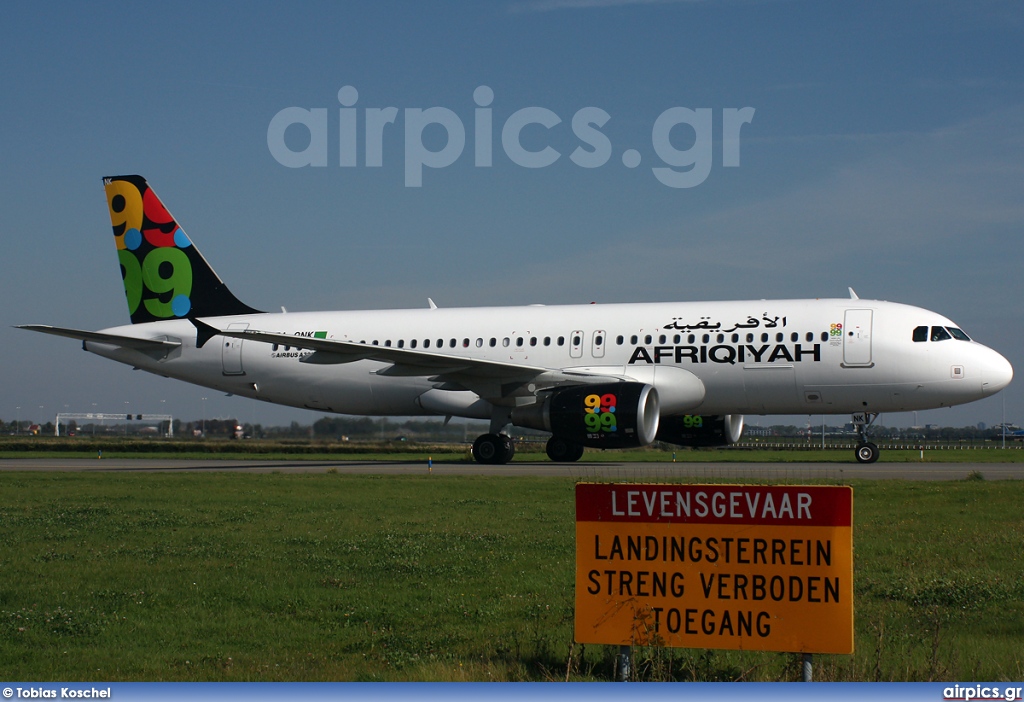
[[766, 568]]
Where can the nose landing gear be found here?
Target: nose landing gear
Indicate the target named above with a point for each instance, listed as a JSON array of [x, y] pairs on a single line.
[[866, 451]]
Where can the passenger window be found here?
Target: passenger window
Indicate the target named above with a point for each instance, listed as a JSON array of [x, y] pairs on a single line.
[[648, 339], [779, 337], [505, 342], [721, 338], [691, 338], [493, 342], [662, 339], [676, 339], [401, 343], [940, 334], [547, 341], [750, 338], [764, 337], [920, 334], [824, 336], [794, 337], [561, 341], [412, 344], [479, 343], [619, 340], [735, 338], [533, 341], [633, 340]]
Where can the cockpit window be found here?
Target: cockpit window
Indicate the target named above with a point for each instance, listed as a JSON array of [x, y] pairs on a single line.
[[958, 334], [920, 333], [940, 334]]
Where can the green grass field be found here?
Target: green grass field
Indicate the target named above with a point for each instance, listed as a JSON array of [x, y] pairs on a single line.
[[237, 576]]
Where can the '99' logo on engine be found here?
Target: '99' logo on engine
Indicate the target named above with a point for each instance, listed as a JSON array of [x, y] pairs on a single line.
[[600, 412]]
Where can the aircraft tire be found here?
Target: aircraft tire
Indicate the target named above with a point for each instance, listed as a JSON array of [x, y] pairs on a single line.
[[493, 449], [509, 447], [867, 452], [562, 451]]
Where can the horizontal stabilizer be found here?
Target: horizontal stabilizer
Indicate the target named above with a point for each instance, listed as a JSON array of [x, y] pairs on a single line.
[[128, 342]]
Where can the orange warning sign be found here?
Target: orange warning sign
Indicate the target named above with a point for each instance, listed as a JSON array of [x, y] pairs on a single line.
[[765, 568]]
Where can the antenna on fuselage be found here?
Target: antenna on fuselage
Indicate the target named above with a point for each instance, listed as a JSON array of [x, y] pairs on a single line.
[[853, 295]]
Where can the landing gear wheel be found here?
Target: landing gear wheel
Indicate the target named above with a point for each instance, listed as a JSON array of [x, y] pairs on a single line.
[[867, 452], [510, 448], [562, 451], [493, 449]]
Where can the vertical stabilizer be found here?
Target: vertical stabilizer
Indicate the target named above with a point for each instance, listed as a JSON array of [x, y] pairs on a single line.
[[165, 276]]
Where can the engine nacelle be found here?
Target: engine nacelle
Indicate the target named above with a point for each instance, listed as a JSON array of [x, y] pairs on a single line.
[[701, 430], [609, 415]]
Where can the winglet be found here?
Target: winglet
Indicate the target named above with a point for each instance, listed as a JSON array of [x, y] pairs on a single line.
[[853, 295]]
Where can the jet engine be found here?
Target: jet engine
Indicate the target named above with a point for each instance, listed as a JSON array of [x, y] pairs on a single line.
[[701, 430], [611, 415]]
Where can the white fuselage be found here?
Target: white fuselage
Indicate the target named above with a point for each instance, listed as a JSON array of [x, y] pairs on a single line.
[[830, 356]]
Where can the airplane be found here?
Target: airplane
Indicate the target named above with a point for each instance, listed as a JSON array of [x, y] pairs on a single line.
[[595, 376]]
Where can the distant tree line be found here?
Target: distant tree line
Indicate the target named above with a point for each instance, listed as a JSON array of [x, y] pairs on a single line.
[[344, 427], [929, 433]]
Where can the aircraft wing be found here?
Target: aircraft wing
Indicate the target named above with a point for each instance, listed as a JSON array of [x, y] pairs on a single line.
[[129, 342], [492, 380]]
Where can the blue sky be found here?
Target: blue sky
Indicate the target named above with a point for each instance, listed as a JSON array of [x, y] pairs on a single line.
[[885, 152]]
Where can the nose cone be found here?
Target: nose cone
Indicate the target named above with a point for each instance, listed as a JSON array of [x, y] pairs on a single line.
[[996, 373]]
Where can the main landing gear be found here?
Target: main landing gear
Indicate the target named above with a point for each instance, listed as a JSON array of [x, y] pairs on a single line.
[[562, 451], [494, 449], [497, 448], [866, 451]]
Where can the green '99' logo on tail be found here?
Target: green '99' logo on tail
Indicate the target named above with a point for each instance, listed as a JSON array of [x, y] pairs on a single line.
[[165, 277]]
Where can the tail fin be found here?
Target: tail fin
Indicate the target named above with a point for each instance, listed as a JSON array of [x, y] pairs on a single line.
[[165, 276]]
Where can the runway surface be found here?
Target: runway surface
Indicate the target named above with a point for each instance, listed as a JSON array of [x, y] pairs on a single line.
[[579, 471]]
